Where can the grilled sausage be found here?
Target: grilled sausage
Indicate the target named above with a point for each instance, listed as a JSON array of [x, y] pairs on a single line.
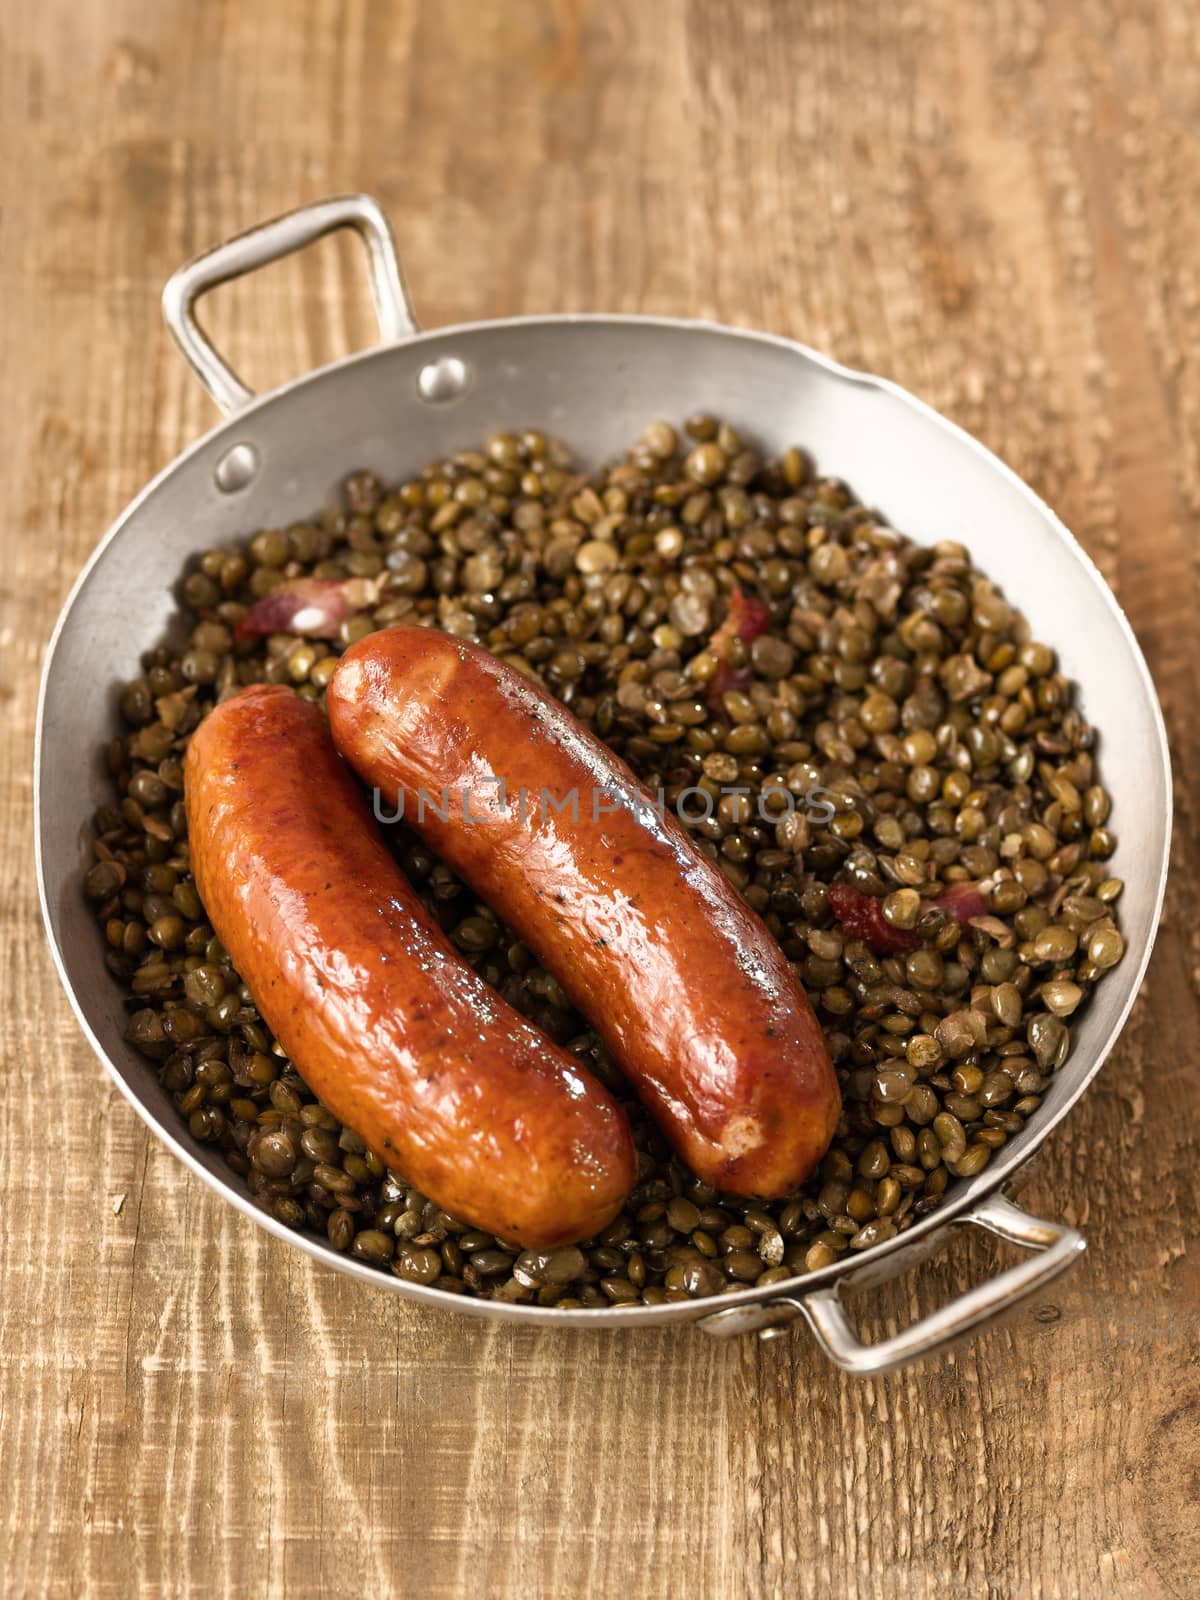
[[687, 988], [380, 1014]]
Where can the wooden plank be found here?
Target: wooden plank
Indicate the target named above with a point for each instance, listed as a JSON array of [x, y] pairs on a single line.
[[998, 207]]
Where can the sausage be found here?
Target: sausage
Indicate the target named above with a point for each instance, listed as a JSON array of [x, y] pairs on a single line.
[[379, 1013], [685, 985]]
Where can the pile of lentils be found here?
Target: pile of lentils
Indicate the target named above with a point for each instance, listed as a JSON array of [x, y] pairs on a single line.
[[891, 674]]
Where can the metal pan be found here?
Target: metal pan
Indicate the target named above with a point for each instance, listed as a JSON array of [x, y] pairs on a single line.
[[596, 380]]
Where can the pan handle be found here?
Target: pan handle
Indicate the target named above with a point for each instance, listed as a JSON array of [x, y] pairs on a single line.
[[1056, 1244], [271, 241]]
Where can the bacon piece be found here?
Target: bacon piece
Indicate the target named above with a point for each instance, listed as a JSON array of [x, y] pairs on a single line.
[[747, 618], [862, 917]]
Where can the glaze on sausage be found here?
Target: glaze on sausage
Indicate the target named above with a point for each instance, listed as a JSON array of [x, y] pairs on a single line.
[[379, 1013], [683, 982]]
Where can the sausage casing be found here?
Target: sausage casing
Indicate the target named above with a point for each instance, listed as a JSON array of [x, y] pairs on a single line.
[[683, 982], [379, 1013]]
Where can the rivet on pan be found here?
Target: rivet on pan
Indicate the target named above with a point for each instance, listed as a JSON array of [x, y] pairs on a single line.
[[442, 380], [236, 468]]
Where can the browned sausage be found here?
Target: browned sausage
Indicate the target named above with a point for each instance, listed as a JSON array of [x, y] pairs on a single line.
[[379, 1013], [689, 991]]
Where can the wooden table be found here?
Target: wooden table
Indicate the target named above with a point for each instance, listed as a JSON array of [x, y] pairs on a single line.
[[999, 207]]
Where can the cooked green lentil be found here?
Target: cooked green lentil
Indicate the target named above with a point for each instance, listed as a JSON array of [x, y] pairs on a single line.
[[891, 674]]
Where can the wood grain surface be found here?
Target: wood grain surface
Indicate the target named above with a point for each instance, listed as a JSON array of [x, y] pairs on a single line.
[[999, 206]]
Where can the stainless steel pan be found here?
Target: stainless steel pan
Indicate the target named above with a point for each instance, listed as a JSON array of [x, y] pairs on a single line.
[[596, 380]]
